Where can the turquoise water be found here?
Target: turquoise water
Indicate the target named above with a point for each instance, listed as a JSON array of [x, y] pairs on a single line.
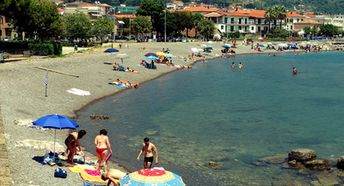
[[211, 113]]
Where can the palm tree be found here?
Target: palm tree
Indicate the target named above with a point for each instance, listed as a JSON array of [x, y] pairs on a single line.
[[281, 13], [270, 16]]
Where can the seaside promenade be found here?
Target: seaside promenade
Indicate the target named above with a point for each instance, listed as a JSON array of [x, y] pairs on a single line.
[[23, 100]]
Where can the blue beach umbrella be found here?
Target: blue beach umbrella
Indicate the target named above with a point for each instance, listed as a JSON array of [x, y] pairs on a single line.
[[227, 46], [152, 57], [152, 177], [151, 54], [55, 121], [111, 50]]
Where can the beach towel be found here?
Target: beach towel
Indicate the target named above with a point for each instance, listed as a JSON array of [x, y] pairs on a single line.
[[81, 168], [91, 178]]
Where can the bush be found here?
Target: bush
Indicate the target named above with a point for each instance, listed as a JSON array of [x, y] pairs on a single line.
[[42, 49], [37, 48]]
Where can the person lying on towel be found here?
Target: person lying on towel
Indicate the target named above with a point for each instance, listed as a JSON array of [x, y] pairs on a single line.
[[113, 175]]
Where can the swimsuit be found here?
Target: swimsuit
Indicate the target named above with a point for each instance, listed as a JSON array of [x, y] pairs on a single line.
[[100, 150], [148, 159]]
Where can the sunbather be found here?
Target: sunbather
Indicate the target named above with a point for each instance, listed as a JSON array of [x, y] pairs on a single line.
[[113, 175]]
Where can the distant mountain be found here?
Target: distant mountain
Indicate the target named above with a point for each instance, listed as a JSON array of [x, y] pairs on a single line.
[[319, 6]]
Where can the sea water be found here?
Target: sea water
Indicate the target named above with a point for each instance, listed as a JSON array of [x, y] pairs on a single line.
[[233, 117]]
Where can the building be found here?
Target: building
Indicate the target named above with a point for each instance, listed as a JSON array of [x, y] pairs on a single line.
[[200, 9], [299, 26], [336, 20], [95, 11], [292, 18], [6, 30]]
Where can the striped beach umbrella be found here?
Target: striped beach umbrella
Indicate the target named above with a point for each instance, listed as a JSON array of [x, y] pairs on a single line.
[[122, 56], [157, 176]]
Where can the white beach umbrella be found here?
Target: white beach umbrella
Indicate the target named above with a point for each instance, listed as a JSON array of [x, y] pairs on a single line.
[[194, 50]]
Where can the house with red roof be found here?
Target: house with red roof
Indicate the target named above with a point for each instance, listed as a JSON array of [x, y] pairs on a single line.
[[292, 18]]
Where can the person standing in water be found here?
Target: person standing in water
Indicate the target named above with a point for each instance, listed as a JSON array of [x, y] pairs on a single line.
[[294, 71], [102, 148], [233, 66], [149, 150], [240, 66]]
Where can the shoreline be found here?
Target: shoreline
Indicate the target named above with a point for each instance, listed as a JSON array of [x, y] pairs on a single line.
[[21, 109]]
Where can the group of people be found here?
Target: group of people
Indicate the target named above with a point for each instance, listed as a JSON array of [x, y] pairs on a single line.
[[240, 66], [104, 153]]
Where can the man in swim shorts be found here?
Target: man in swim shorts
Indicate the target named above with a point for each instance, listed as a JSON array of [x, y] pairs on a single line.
[[149, 151]]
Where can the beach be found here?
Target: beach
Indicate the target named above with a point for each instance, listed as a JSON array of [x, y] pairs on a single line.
[[23, 97]]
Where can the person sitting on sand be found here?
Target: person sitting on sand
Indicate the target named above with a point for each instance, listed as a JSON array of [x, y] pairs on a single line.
[[102, 148], [73, 146], [129, 70], [113, 175]]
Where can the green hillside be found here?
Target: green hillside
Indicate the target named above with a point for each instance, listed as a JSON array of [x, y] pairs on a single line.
[[320, 6]]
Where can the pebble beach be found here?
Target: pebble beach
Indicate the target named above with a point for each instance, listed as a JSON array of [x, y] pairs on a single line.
[[23, 99]]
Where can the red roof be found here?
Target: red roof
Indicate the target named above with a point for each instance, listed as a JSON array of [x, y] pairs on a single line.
[[121, 16], [200, 9], [246, 13], [294, 14]]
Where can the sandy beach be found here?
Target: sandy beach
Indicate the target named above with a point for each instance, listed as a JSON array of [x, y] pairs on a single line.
[[23, 98]]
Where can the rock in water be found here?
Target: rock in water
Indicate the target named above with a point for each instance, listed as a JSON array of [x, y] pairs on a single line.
[[340, 163], [302, 155], [317, 164], [214, 165]]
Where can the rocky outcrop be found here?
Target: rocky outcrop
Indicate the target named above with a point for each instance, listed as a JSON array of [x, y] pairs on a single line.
[[214, 164], [317, 165], [340, 163], [301, 155], [99, 117]]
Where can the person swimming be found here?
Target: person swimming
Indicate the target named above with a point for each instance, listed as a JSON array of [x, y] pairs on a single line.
[[294, 71]]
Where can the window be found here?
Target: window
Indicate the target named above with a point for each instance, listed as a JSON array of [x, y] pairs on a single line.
[[291, 20], [239, 20], [258, 28], [232, 28], [232, 20], [246, 28], [222, 27], [297, 20], [239, 27], [252, 28], [226, 20], [245, 21], [259, 21], [291, 27]]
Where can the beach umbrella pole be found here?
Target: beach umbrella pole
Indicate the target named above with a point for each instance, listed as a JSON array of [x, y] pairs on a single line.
[[54, 143]]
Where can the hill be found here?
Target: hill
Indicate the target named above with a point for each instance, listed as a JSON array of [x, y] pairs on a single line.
[[319, 6]]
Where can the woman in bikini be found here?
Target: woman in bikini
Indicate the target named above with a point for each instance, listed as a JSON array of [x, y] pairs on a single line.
[[73, 146], [102, 148], [149, 151]]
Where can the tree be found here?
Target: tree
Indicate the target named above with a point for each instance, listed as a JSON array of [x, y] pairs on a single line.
[[270, 16], [206, 28], [329, 30], [34, 17], [308, 30], [154, 9], [142, 25], [196, 19], [280, 13], [77, 26], [102, 27]]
